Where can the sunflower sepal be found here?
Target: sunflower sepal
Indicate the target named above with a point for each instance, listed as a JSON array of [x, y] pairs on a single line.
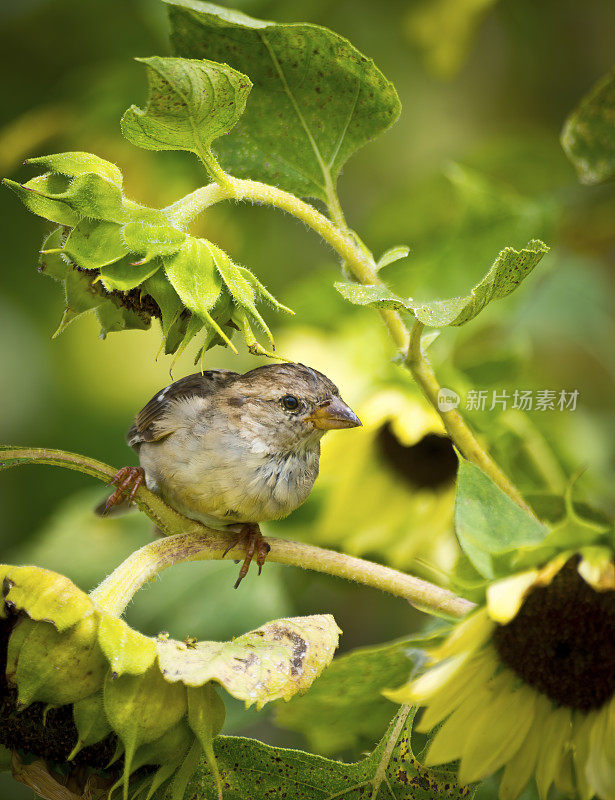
[[107, 249]]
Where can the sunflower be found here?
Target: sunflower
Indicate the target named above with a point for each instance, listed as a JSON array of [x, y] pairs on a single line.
[[527, 682], [404, 510], [82, 690]]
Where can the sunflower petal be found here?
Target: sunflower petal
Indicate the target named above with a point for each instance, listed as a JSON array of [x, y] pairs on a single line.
[[564, 778], [504, 598], [435, 679], [448, 742], [497, 735], [597, 569], [600, 766], [468, 635], [476, 674], [521, 766], [581, 729], [557, 734]]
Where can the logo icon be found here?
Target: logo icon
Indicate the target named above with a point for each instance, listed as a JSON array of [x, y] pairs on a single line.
[[448, 399]]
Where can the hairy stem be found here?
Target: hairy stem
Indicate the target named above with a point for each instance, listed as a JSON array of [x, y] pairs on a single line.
[[187, 208], [204, 544], [454, 423], [188, 540], [236, 189], [168, 520], [363, 269]]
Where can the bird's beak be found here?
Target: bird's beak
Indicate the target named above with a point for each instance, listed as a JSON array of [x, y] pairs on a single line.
[[334, 414]]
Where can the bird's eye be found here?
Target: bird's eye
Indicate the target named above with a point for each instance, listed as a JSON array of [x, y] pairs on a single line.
[[290, 402]]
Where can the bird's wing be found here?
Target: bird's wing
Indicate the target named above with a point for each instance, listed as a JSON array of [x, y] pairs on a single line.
[[149, 423]]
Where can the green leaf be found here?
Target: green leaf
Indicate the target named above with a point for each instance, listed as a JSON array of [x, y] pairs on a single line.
[[506, 273], [92, 244], [167, 300], [114, 317], [78, 163], [316, 99], [392, 255], [191, 103], [52, 263], [90, 721], [60, 667], [488, 523], [193, 274], [573, 525], [251, 770], [206, 714], [141, 709], [261, 291], [124, 275], [86, 195], [240, 288], [588, 136], [345, 708], [33, 197], [277, 660], [82, 295], [152, 240]]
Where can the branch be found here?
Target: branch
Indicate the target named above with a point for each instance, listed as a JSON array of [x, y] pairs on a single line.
[[205, 544], [188, 540], [168, 520]]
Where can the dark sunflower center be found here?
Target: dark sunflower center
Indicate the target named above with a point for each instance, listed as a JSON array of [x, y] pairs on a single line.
[[428, 464], [562, 641]]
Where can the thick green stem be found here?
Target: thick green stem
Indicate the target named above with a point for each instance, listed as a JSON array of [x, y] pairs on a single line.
[[204, 544], [188, 540], [454, 423], [188, 207], [184, 210], [157, 510]]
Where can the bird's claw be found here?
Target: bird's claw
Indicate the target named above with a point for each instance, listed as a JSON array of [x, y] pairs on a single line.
[[126, 480], [255, 545]]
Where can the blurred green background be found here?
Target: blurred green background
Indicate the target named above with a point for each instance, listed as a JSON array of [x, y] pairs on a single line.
[[473, 165]]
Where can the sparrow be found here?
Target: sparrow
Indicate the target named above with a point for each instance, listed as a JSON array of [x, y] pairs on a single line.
[[232, 450]]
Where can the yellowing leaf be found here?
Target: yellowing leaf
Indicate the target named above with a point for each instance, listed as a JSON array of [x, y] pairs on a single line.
[[278, 660], [44, 595], [127, 651]]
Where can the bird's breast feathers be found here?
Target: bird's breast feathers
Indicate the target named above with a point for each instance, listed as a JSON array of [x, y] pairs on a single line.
[[221, 479]]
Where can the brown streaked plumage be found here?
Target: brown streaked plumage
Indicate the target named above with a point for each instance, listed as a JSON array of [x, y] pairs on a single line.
[[234, 450]]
